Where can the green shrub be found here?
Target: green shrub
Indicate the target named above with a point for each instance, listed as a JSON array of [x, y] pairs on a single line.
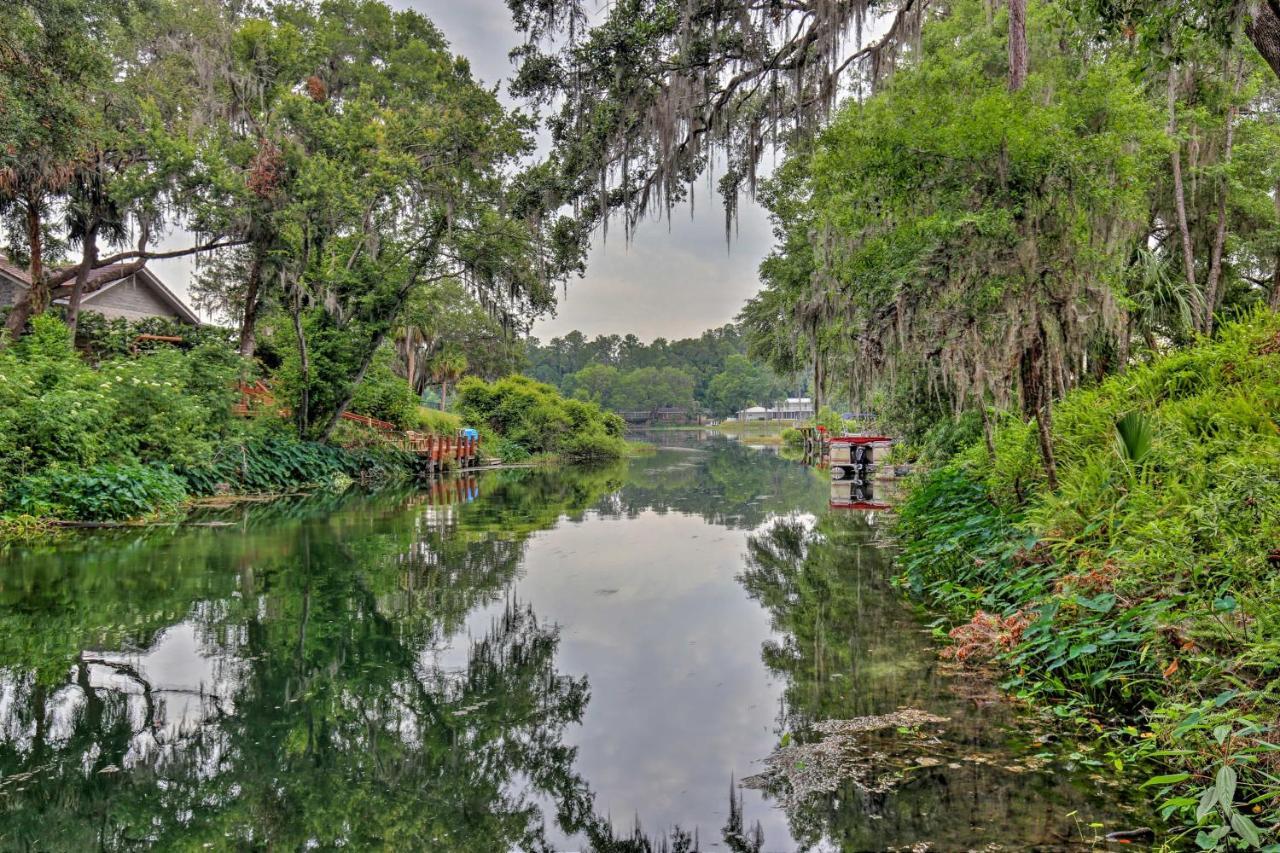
[[509, 451], [948, 437], [385, 395], [170, 406], [99, 493], [591, 447], [1143, 584], [106, 338], [436, 422], [538, 419], [828, 418], [792, 437]]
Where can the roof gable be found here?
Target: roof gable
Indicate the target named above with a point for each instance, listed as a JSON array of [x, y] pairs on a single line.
[[144, 277]]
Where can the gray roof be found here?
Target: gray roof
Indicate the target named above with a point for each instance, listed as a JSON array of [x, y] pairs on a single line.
[[22, 278]]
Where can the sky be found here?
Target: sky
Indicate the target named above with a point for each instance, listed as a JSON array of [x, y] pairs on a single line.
[[676, 278]]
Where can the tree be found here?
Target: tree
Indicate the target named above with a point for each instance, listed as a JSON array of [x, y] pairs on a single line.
[[93, 135], [742, 383], [595, 383], [394, 171], [653, 92], [447, 366], [972, 229]]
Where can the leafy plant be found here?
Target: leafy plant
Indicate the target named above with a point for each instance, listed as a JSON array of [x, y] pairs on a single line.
[[536, 417], [100, 493], [1134, 433]]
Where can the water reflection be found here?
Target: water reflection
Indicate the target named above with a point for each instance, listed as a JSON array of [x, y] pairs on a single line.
[[847, 648], [528, 659]]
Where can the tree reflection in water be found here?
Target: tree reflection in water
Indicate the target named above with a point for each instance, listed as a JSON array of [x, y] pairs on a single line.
[[283, 685], [849, 648], [319, 674]]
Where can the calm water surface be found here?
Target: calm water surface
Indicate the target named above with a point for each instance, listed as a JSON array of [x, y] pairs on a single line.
[[530, 659]]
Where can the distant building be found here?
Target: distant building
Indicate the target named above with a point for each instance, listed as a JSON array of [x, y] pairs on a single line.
[[790, 409], [134, 297]]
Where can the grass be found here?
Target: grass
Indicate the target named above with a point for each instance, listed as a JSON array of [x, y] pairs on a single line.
[[1144, 591], [756, 432]]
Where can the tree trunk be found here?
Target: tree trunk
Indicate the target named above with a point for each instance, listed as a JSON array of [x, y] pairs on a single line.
[[252, 298], [36, 297], [444, 395], [1275, 276], [1036, 403], [1017, 44], [817, 383], [1044, 425], [1263, 30], [410, 359], [303, 415], [336, 414], [1179, 200], [87, 263], [1212, 286]]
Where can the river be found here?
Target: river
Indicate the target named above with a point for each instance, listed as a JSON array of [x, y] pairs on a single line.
[[526, 659]]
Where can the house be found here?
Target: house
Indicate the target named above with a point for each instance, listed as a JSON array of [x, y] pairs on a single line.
[[793, 409], [790, 409], [135, 297]]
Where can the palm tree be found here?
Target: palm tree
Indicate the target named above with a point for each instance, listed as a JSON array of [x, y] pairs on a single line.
[[448, 365]]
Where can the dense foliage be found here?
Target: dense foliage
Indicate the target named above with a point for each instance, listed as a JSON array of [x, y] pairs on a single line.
[[1145, 583], [169, 406], [710, 372], [953, 243], [531, 417], [133, 435], [345, 172]]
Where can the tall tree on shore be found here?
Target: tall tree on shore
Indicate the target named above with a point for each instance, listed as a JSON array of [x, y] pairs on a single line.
[[50, 53], [97, 141], [398, 168]]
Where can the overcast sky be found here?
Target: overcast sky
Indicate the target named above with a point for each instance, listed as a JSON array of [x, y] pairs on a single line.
[[673, 280]]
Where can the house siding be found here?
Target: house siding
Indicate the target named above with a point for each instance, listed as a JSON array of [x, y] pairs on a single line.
[[130, 300], [9, 292]]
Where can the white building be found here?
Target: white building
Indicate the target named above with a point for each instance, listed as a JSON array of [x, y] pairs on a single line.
[[793, 409], [790, 409]]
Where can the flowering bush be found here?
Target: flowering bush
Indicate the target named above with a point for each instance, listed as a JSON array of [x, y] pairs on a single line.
[[168, 407]]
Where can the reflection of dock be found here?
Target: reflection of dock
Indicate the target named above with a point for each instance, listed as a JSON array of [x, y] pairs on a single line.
[[854, 471], [448, 491], [455, 490]]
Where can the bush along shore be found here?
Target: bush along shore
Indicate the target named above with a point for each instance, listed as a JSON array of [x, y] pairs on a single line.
[[1142, 596], [117, 435]]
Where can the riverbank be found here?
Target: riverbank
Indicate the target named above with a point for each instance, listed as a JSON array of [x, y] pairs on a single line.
[[1140, 598], [91, 436], [755, 432], [568, 607]]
